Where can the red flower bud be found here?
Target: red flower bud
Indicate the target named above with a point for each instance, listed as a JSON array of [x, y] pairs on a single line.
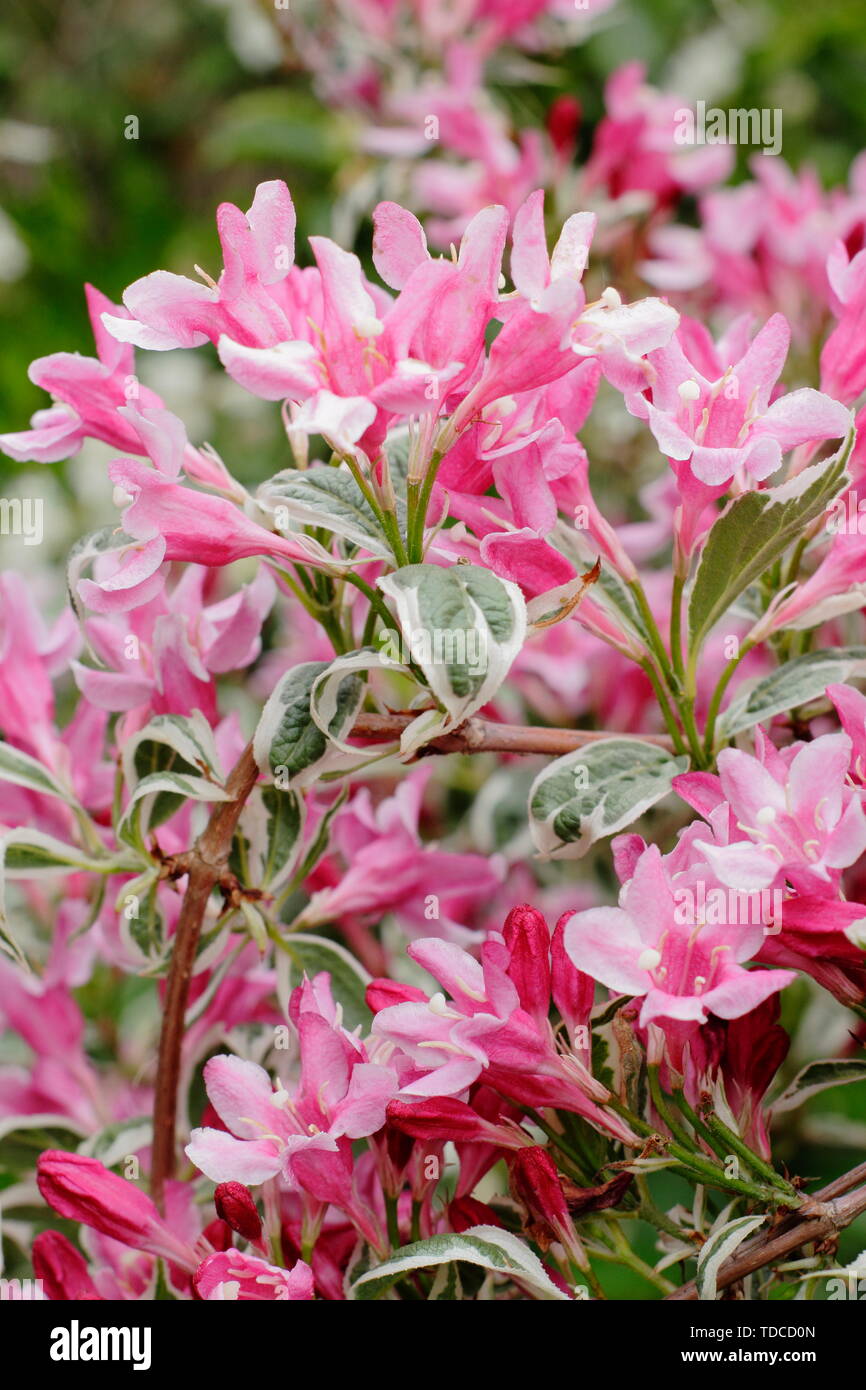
[[563, 123], [528, 940], [235, 1206], [465, 1212], [62, 1269], [83, 1189], [536, 1184], [442, 1118], [381, 994]]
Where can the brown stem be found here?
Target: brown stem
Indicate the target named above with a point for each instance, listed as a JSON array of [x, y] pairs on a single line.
[[205, 864], [485, 736], [821, 1217]]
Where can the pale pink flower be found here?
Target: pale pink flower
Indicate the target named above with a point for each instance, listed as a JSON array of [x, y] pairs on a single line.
[[796, 814], [232, 1275], [680, 969]]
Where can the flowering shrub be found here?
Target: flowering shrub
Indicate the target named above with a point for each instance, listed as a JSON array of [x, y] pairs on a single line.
[[321, 991]]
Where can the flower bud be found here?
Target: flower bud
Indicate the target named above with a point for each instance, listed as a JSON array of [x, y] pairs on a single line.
[[82, 1189], [235, 1206], [536, 1185], [62, 1269]]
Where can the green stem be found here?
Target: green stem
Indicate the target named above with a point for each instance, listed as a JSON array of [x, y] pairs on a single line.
[[718, 694], [378, 607], [419, 500], [758, 1165], [416, 1220], [648, 1211], [657, 646], [664, 1110], [664, 705], [698, 1125], [695, 1165], [387, 520], [625, 1255], [676, 626], [393, 1225], [687, 715]]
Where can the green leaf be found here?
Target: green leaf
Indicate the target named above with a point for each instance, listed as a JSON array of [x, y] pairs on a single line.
[[330, 498], [488, 1246], [597, 791], [719, 1246], [157, 792], [27, 853], [349, 980], [189, 737], [819, 1076], [24, 771], [285, 823], [462, 626], [24, 1137], [755, 529], [796, 683], [118, 1140], [142, 925], [447, 1286], [287, 741]]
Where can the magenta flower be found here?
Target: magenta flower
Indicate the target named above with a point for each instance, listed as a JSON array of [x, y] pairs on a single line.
[[495, 1024], [232, 1275], [793, 815], [681, 969], [84, 1190], [88, 393], [727, 425]]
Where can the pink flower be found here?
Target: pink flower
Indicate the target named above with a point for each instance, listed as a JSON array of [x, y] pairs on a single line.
[[726, 425], [31, 653], [825, 939], [88, 392], [843, 357], [181, 643], [62, 1269], [792, 813], [171, 522], [636, 148], [230, 1274], [304, 1135], [84, 1190], [681, 969], [166, 311], [495, 1026], [379, 864]]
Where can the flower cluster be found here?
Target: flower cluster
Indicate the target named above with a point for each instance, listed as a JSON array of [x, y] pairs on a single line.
[[398, 1052]]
